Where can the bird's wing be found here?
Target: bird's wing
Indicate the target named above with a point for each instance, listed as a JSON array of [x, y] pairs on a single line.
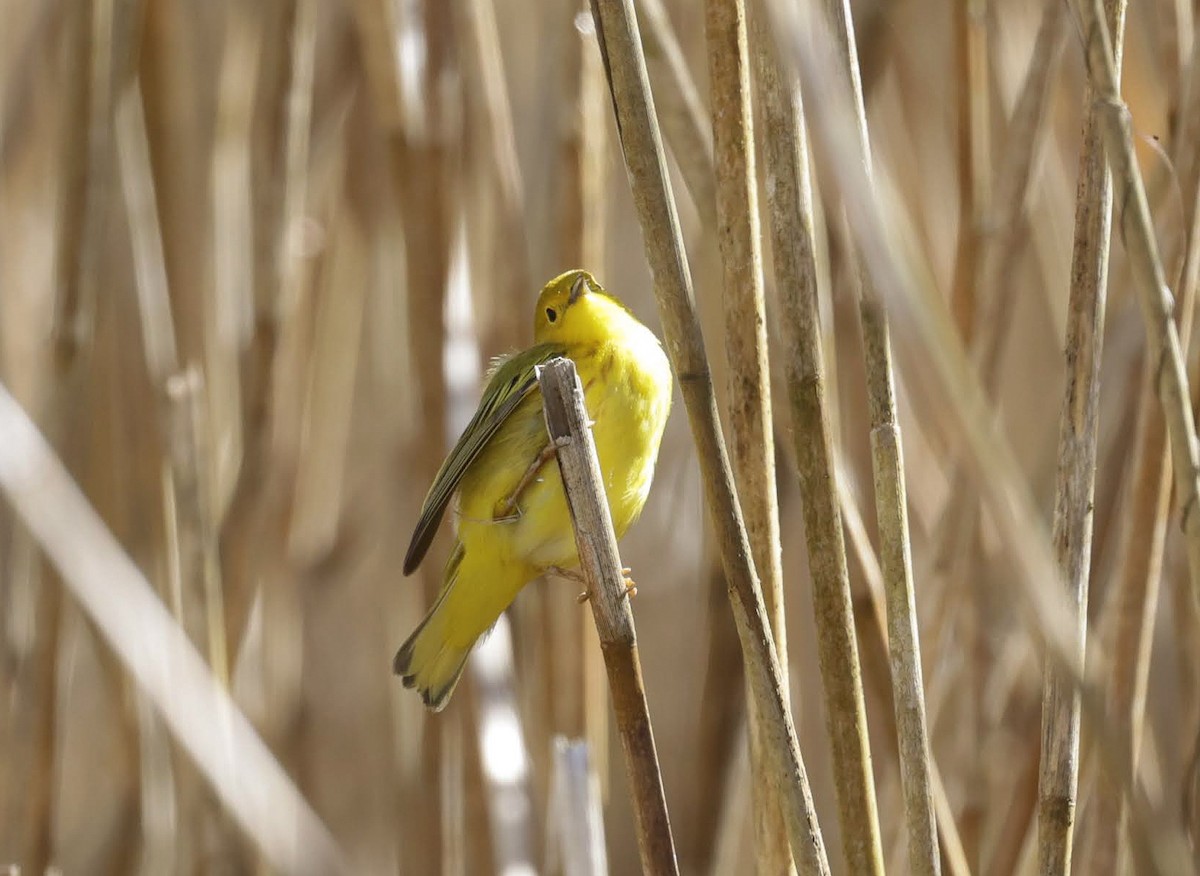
[[511, 380]]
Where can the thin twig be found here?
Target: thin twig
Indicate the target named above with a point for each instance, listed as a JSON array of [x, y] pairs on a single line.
[[568, 425], [620, 46]]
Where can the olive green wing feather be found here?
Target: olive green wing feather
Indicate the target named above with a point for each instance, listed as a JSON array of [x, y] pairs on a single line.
[[511, 380]]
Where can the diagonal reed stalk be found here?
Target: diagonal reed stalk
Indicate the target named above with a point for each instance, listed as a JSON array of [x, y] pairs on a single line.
[[1076, 480], [1144, 540], [1137, 231], [753, 445], [569, 427], [891, 508], [620, 46], [116, 596]]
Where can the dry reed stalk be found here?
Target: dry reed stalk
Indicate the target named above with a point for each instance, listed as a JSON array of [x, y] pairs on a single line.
[[681, 112], [117, 597], [687, 132], [974, 155], [1001, 240], [732, 827], [870, 620], [1076, 479], [641, 144], [576, 811], [231, 308], [1137, 231], [240, 528], [582, 149], [1006, 222], [720, 736], [944, 363], [486, 91], [753, 445], [568, 426], [1144, 538], [425, 164], [789, 200], [501, 299], [190, 584], [86, 152], [891, 508]]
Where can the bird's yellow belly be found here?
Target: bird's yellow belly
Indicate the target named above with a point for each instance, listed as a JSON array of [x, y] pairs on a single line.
[[628, 406]]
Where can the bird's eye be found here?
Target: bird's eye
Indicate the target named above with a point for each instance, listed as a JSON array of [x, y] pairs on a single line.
[[551, 314]]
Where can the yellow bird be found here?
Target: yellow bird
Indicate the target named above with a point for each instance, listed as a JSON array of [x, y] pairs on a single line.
[[512, 518]]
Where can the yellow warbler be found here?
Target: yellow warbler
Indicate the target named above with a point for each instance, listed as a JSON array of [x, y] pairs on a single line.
[[512, 517]]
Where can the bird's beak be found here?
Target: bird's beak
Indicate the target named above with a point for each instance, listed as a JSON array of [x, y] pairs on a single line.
[[579, 287]]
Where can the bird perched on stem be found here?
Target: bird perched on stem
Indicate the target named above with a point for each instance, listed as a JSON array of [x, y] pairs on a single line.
[[512, 518]]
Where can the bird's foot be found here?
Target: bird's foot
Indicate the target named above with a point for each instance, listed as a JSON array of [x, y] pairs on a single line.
[[630, 584]]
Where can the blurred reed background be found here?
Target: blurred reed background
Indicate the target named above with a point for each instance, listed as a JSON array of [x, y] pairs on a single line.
[[253, 259]]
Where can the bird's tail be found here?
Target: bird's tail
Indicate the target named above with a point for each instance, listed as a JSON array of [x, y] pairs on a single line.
[[428, 661]]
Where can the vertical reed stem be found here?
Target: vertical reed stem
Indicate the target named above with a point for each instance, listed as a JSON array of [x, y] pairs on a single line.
[[753, 446], [568, 425], [1075, 489], [891, 506]]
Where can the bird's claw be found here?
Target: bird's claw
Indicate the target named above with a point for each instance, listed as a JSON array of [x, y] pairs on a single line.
[[630, 585]]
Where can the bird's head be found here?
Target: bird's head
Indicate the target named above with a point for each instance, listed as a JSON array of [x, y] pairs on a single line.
[[574, 308]]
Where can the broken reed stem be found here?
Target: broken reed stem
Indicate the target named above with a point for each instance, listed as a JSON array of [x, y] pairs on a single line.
[[1076, 480], [1137, 232], [753, 444], [568, 425], [620, 45], [891, 508]]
